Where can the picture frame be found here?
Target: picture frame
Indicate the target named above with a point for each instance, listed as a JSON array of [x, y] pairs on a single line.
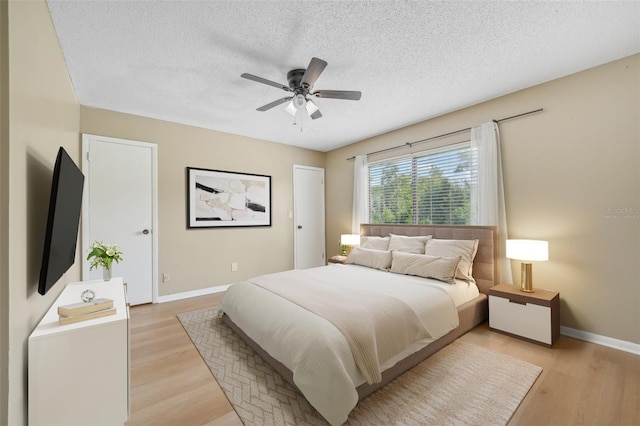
[[224, 199]]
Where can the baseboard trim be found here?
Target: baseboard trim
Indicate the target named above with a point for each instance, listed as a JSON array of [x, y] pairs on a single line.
[[194, 293], [622, 345]]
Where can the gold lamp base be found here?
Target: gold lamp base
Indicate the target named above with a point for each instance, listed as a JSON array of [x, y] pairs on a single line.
[[526, 277]]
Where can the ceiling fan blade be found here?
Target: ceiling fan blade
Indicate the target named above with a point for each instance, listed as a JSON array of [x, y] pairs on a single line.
[[338, 94], [315, 68], [274, 104], [265, 81]]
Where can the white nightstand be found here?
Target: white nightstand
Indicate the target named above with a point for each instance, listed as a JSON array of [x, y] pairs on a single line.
[[531, 316]]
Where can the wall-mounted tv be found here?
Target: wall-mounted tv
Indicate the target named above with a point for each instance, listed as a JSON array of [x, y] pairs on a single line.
[[61, 236]]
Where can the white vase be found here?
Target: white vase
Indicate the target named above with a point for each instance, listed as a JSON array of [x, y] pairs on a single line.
[[106, 273]]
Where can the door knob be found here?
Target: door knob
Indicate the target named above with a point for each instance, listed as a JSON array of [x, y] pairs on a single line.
[[299, 226], [145, 231]]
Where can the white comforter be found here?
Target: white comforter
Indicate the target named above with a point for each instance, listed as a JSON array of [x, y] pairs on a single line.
[[313, 348]]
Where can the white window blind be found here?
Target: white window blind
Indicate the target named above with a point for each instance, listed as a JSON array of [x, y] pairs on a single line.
[[431, 187]]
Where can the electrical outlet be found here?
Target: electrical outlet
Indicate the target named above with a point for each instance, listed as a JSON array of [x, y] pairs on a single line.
[[234, 267], [166, 277]]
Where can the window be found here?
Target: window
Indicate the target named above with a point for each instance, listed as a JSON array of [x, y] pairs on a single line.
[[431, 187]]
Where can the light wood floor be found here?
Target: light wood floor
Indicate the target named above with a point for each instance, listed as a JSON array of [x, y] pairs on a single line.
[[581, 383]]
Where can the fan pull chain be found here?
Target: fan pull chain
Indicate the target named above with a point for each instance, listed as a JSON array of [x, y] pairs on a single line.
[[298, 118]]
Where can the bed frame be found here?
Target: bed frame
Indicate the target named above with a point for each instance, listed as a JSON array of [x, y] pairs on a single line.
[[472, 313]]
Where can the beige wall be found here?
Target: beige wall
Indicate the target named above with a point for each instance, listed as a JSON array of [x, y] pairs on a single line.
[[566, 170], [4, 217], [43, 114], [201, 258]]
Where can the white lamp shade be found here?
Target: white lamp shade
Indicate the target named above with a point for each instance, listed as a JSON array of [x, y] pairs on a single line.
[[291, 109], [311, 107], [350, 239], [529, 250]]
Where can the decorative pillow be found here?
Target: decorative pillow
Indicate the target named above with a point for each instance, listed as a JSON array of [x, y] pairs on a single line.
[[376, 243], [378, 259], [408, 244], [465, 249], [423, 265]]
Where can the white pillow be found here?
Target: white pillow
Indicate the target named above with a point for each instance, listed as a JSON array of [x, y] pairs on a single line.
[[378, 259], [423, 265], [464, 249], [376, 243], [407, 244]]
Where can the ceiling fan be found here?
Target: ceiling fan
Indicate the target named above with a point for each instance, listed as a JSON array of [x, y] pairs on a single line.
[[301, 85]]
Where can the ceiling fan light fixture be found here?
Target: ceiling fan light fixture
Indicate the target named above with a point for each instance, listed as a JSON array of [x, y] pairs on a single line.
[[299, 101], [291, 109], [311, 107]]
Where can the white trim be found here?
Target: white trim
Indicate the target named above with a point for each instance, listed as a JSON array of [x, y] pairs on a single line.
[[193, 293], [622, 345], [86, 137]]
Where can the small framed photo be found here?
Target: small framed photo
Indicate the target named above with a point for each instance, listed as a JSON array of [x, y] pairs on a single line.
[[218, 199]]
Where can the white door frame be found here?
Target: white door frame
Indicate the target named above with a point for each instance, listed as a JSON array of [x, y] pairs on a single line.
[[154, 209], [295, 213]]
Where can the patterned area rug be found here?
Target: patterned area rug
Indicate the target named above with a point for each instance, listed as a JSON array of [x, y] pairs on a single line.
[[462, 384]]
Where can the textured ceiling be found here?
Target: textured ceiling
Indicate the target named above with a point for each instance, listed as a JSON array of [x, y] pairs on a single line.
[[181, 61]]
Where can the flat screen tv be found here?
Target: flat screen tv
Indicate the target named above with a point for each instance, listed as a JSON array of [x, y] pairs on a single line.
[[63, 220]]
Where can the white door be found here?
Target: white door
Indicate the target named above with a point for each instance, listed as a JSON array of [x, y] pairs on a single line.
[[120, 207], [308, 200]]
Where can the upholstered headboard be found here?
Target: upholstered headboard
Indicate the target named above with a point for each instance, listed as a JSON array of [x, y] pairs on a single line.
[[485, 265]]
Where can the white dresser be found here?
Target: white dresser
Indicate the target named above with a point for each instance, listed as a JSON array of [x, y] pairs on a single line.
[[79, 372]]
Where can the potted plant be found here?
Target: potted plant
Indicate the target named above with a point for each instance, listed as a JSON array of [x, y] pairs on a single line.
[[103, 255]]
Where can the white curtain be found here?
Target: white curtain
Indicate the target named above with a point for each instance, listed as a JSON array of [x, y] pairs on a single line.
[[360, 193], [487, 199]]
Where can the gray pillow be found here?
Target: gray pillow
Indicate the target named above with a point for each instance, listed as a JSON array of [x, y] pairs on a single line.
[[376, 243], [377, 259], [423, 265], [464, 249], [407, 244]]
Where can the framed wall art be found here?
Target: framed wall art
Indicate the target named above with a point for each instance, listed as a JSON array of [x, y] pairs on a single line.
[[217, 199]]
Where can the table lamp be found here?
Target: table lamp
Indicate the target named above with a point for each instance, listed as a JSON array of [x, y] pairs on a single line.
[[527, 251], [347, 241]]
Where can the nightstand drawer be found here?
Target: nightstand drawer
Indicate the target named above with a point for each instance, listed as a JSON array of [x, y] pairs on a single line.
[[528, 320]]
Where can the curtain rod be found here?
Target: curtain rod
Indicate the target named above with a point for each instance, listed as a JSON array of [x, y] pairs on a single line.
[[410, 144]]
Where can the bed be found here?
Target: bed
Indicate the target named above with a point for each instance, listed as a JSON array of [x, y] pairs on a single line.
[[315, 354]]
